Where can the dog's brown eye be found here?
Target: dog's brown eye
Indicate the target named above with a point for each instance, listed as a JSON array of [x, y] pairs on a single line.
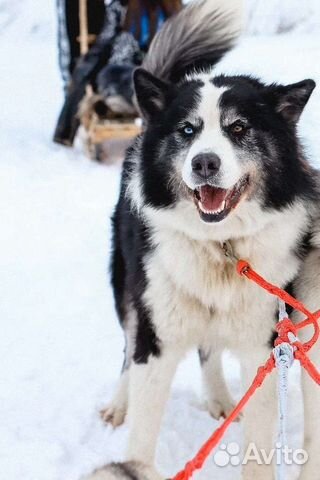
[[237, 129]]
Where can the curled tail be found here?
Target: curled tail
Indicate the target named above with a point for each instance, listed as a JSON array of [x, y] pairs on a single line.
[[197, 37]]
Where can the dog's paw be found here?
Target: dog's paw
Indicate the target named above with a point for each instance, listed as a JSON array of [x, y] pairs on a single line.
[[113, 415], [125, 471], [220, 409]]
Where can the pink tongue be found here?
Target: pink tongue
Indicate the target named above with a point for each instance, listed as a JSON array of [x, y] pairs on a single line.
[[211, 197]]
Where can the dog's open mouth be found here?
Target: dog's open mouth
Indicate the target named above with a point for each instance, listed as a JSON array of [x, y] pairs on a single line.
[[215, 204]]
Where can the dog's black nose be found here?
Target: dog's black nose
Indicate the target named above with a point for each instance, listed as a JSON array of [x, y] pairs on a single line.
[[206, 165]]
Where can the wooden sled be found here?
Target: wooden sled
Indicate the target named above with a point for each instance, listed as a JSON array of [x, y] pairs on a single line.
[[100, 131]]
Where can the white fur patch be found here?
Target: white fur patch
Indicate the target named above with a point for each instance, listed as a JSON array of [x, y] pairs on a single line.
[[212, 139]]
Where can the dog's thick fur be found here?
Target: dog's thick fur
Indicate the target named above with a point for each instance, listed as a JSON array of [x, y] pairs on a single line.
[[207, 138]]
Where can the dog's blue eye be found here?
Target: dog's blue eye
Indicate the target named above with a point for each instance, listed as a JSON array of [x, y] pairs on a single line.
[[188, 130]]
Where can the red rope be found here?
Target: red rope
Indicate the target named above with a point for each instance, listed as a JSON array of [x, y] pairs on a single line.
[[284, 328], [244, 268]]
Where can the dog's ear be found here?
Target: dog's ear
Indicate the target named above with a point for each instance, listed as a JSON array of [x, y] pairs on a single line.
[[291, 99], [151, 93]]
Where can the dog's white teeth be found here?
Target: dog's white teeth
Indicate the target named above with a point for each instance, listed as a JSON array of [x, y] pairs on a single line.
[[212, 212]]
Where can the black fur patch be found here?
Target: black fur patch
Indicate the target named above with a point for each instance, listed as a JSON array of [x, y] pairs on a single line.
[[124, 471], [147, 342], [203, 355], [130, 245], [128, 471], [304, 246]]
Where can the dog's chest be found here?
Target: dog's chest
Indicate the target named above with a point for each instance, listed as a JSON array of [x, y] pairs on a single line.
[[200, 285]]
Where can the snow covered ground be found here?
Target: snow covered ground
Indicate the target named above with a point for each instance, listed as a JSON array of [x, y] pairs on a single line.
[[60, 342]]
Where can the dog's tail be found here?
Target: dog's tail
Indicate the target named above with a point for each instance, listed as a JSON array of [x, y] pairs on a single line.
[[195, 38]]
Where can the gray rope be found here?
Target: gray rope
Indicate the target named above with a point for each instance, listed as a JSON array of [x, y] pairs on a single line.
[[284, 357]]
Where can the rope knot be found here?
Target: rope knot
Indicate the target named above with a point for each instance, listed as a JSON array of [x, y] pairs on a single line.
[[284, 328], [242, 267], [284, 355]]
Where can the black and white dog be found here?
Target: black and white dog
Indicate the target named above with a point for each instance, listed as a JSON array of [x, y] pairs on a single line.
[[219, 160]]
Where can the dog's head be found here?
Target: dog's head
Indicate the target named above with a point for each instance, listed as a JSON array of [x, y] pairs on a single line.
[[221, 142]]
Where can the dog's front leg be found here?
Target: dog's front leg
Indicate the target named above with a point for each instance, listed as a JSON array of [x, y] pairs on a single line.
[[148, 392], [218, 398], [259, 419]]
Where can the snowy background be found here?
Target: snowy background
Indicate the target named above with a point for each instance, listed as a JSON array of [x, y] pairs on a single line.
[[60, 342]]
